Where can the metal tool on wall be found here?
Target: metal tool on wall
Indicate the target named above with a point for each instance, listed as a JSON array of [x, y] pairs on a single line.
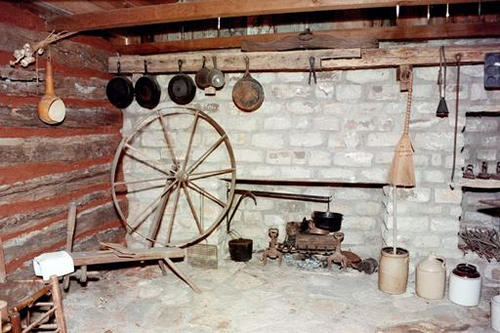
[[458, 57], [120, 90], [248, 94], [147, 90], [312, 71], [442, 110]]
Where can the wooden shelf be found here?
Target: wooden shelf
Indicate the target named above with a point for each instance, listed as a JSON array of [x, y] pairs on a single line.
[[306, 182], [480, 183]]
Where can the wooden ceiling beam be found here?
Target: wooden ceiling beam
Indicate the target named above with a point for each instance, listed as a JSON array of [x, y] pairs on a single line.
[[200, 10], [299, 60], [396, 33]]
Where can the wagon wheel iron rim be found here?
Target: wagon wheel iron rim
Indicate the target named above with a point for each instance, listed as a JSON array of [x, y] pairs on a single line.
[[179, 179]]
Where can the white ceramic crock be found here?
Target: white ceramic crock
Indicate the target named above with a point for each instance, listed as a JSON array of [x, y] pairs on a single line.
[[495, 313], [465, 285]]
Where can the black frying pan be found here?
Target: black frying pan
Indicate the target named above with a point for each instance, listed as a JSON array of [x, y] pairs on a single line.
[[147, 90], [181, 87], [120, 90]]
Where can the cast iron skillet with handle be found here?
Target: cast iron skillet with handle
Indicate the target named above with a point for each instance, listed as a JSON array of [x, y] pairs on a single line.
[[147, 90], [120, 90], [181, 87]]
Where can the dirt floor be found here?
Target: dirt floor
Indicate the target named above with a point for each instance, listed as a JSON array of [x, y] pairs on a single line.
[[250, 297]]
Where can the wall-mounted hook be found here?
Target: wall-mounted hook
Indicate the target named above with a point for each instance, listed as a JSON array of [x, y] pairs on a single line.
[[428, 13], [447, 11]]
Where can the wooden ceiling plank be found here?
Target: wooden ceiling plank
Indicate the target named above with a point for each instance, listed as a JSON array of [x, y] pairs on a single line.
[[421, 32], [192, 11], [299, 60]]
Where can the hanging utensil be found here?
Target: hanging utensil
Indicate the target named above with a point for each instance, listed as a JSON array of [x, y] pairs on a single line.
[[442, 110], [248, 94], [147, 90], [51, 109], [216, 77], [120, 90], [181, 87], [201, 77], [312, 72], [458, 57], [402, 172]]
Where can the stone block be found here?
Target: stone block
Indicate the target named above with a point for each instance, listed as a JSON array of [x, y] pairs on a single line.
[[418, 194], [319, 158], [279, 157], [480, 124], [383, 157], [386, 92], [326, 123], [354, 238], [477, 92], [353, 159], [449, 242], [313, 139], [487, 155], [382, 139], [152, 139], [269, 141], [436, 159], [434, 176], [287, 91], [436, 141], [301, 122], [344, 139], [273, 220], [426, 73], [298, 77], [444, 225], [369, 75], [425, 91], [446, 195], [248, 155], [263, 171], [476, 71], [375, 174], [413, 223], [295, 172], [277, 123], [337, 174], [324, 90], [348, 92], [426, 241], [368, 208], [298, 106]]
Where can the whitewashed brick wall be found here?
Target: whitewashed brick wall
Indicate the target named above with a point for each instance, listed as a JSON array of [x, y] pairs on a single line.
[[345, 128]]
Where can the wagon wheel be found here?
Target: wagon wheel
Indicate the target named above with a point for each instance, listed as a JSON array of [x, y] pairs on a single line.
[[172, 160]]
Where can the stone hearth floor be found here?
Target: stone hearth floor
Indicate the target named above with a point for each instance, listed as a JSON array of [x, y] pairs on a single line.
[[249, 297]]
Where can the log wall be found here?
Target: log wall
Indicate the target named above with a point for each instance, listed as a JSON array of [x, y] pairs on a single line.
[[43, 167]]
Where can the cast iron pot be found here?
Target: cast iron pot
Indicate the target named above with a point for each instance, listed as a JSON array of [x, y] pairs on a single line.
[[181, 88], [240, 249], [147, 90], [327, 220], [120, 91]]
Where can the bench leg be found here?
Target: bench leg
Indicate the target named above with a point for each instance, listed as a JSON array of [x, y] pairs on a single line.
[[172, 266]]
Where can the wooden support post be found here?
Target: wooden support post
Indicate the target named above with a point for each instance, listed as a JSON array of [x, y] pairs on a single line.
[[70, 231], [57, 299], [3, 270], [15, 320]]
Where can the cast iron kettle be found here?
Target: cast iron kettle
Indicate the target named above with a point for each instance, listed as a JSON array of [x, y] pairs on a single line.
[[120, 90], [248, 94], [181, 87], [147, 90]]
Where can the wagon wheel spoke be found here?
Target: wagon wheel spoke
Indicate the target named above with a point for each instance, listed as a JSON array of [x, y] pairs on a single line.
[[207, 174], [191, 137], [193, 210], [170, 146], [206, 194], [146, 211], [205, 155], [155, 226], [147, 156], [174, 211], [141, 181]]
